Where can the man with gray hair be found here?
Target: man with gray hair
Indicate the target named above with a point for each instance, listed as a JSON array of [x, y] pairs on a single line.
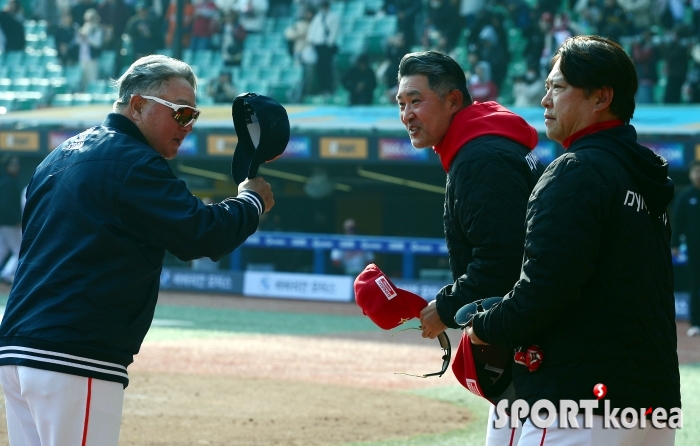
[[101, 211]]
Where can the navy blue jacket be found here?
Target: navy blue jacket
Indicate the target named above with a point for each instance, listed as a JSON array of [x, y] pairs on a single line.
[[101, 211]]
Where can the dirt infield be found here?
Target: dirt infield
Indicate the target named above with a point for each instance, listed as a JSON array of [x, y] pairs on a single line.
[[258, 389], [282, 390]]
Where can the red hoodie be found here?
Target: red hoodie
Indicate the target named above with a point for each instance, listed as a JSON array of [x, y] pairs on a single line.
[[479, 119]]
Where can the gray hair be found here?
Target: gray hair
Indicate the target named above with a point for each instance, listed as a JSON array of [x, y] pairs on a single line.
[[148, 75]]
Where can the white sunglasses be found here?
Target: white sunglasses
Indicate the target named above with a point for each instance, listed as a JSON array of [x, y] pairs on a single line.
[[183, 114]]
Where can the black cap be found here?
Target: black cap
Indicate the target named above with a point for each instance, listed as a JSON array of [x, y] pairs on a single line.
[[268, 122]]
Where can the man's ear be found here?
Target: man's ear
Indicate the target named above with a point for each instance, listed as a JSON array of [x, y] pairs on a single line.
[[605, 97], [135, 105], [456, 99]]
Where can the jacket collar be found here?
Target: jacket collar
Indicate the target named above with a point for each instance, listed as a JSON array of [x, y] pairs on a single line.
[[124, 125]]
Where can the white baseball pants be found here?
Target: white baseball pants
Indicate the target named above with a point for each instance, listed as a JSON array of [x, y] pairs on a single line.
[[597, 435], [47, 408]]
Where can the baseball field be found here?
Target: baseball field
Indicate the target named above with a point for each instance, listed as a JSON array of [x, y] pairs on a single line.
[[230, 370]]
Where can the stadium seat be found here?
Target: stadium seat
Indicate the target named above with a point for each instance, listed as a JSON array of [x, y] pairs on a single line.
[[62, 100], [363, 25], [355, 8], [21, 84], [82, 98], [7, 103], [5, 84], [108, 60], [98, 86]]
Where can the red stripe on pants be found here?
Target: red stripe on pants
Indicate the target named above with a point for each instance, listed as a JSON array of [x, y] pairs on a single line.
[[87, 411]]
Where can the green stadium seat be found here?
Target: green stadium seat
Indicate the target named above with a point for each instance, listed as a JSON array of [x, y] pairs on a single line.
[[363, 25], [338, 8], [62, 100], [82, 98], [203, 57], [385, 25], [279, 91], [355, 8], [104, 98], [5, 84], [98, 86], [40, 85], [282, 23], [108, 60], [13, 58], [21, 84], [252, 42], [375, 45], [188, 55], [7, 104]]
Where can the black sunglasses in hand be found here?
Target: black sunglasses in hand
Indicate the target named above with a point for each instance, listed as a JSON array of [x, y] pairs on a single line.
[[447, 355]]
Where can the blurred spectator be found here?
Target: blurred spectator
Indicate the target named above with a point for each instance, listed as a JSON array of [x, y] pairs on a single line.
[[673, 13], [65, 35], [588, 16], [406, 12], [322, 34], [561, 29], [12, 27], [253, 13], [613, 23], [187, 17], [676, 54], [143, 29], [205, 23], [686, 223], [233, 37], [441, 14], [495, 52], [693, 80], [528, 89], [296, 32], [360, 80], [396, 48], [645, 57], [10, 217], [352, 261], [481, 86], [303, 52], [519, 12], [79, 8], [640, 14], [114, 14], [534, 36], [90, 38], [468, 10], [221, 89]]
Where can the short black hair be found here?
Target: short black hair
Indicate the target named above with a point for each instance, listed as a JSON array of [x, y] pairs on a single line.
[[443, 72], [591, 62]]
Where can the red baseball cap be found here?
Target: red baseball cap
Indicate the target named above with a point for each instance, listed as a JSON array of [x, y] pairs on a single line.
[[386, 305], [484, 370]]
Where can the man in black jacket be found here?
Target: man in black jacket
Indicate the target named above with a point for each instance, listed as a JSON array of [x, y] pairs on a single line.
[[101, 211], [594, 305], [486, 151], [686, 223]]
